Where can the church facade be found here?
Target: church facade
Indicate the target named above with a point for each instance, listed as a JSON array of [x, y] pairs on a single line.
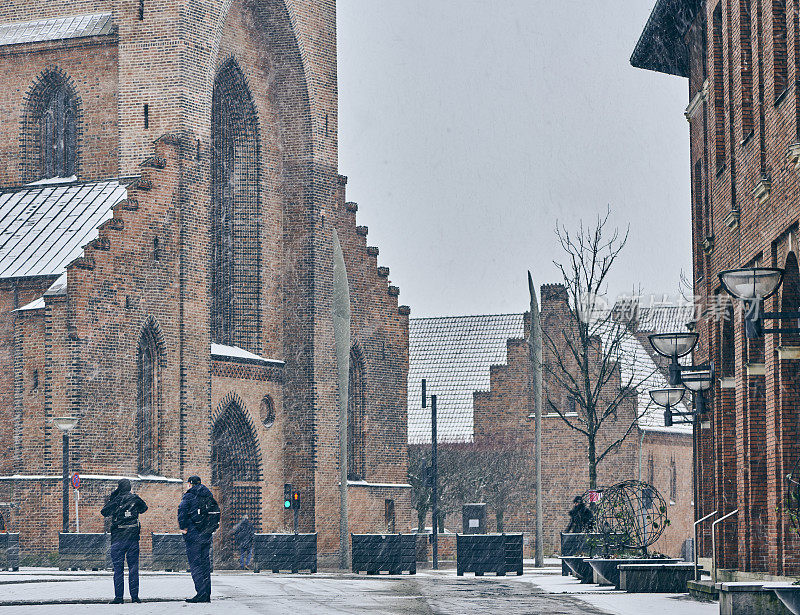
[[169, 205]]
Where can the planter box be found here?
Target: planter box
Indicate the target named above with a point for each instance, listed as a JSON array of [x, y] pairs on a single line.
[[482, 553], [749, 599], [84, 551], [9, 551], [169, 552], [392, 553], [292, 552], [579, 567], [655, 578], [606, 571]]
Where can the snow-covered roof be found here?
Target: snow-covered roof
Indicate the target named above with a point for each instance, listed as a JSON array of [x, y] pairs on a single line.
[[56, 28], [43, 227], [454, 354], [234, 353]]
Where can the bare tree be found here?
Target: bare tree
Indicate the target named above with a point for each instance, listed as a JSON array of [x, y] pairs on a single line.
[[584, 356]]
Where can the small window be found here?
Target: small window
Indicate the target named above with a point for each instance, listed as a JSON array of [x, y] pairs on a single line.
[[156, 249], [267, 411], [141, 10], [570, 404], [147, 116], [673, 482], [35, 379]]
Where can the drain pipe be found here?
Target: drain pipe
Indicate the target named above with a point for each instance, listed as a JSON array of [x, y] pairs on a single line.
[[714, 543], [696, 523]]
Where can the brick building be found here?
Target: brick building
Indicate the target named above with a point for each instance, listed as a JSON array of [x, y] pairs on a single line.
[[479, 367], [169, 198], [741, 59]]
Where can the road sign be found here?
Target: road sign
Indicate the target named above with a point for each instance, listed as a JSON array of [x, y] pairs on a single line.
[[76, 481]]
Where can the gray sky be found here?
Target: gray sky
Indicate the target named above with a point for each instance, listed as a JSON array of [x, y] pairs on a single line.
[[469, 127]]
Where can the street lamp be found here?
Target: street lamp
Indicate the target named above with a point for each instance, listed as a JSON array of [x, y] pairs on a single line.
[[673, 346], [698, 380], [751, 286], [65, 424], [667, 398]]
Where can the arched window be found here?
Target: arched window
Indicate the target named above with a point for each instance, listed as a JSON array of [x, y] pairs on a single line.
[[356, 403], [50, 129], [148, 377], [235, 172]]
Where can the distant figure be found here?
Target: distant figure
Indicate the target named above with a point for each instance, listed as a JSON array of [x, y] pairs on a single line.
[[124, 509], [198, 518], [243, 533], [581, 519]]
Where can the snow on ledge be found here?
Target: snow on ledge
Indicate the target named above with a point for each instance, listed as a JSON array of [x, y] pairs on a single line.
[[54, 180], [36, 304], [139, 477], [363, 483], [234, 353]]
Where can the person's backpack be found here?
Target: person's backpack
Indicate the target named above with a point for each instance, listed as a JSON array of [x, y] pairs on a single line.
[[206, 519], [126, 514]]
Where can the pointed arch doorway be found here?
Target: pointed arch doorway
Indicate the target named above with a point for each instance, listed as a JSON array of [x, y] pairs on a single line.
[[236, 474]]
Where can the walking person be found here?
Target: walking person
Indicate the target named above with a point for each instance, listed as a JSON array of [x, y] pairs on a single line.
[[243, 533], [198, 519], [124, 508]]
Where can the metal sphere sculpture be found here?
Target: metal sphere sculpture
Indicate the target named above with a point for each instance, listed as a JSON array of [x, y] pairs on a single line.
[[633, 512]]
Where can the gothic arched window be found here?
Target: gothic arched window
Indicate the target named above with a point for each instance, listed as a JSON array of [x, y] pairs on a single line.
[[148, 378], [356, 403], [50, 128], [235, 172], [57, 140]]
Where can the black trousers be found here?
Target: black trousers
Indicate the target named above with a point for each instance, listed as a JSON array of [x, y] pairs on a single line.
[[198, 554], [119, 551]]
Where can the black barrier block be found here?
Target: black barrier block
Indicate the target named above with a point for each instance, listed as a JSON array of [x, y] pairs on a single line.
[[84, 551], [289, 552], [482, 553], [169, 552], [392, 553], [9, 551]]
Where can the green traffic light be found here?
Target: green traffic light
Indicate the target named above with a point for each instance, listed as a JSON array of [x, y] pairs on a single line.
[[287, 504]]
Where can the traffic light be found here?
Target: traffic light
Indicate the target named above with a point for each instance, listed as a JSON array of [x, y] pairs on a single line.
[[296, 500], [287, 495]]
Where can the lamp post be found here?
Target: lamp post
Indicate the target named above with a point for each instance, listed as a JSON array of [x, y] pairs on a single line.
[[667, 398], [65, 424], [673, 346], [751, 286]]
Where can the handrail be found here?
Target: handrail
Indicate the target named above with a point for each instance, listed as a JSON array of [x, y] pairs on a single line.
[[714, 543], [696, 523]]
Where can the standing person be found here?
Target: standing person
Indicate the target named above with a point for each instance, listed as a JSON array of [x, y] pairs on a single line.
[[243, 533], [124, 509], [198, 518], [581, 518]]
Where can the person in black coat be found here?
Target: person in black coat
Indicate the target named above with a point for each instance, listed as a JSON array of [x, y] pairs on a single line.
[[124, 508], [581, 518], [198, 518], [243, 533]]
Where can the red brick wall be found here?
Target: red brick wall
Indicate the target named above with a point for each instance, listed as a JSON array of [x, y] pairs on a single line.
[[84, 344]]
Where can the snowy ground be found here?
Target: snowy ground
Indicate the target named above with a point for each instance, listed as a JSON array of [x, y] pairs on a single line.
[[537, 591]]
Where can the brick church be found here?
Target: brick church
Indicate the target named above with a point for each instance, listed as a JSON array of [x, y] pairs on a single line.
[[169, 197]]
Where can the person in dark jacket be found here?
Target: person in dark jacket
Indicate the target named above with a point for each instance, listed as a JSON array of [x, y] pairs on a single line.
[[581, 518], [124, 508], [198, 526], [243, 533]]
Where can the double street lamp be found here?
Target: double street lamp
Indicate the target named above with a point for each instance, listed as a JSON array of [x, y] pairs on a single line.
[[751, 286], [65, 424]]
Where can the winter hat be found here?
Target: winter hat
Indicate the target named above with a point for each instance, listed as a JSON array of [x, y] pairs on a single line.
[[124, 485], [194, 479]]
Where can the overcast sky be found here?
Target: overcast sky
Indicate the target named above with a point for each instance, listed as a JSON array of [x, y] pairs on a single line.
[[467, 128]]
